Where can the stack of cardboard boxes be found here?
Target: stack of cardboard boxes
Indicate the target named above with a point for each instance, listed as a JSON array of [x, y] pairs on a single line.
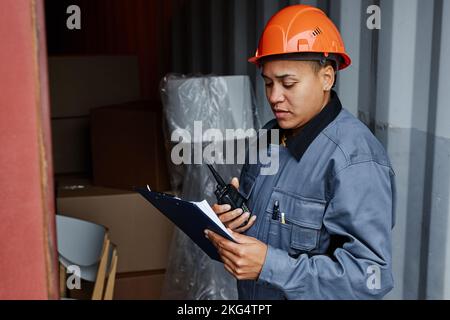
[[142, 234], [128, 146], [78, 84], [121, 145]]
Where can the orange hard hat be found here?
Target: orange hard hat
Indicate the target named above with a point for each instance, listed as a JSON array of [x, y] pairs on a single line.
[[301, 29]]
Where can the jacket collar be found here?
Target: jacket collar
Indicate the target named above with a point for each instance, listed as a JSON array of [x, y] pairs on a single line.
[[298, 144]]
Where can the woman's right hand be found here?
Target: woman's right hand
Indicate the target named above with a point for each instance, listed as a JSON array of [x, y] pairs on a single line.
[[234, 219]]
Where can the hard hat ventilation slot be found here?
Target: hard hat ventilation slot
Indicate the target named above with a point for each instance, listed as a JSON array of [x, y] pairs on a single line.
[[316, 32]]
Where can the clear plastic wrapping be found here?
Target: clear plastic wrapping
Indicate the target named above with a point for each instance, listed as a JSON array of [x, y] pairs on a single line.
[[219, 103]]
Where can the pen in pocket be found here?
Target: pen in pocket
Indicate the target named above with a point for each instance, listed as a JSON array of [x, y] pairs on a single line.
[[276, 211]]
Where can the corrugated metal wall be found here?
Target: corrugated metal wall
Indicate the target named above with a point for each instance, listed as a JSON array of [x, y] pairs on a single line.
[[398, 84]]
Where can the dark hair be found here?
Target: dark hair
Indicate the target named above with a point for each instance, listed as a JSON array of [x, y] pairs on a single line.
[[319, 65]]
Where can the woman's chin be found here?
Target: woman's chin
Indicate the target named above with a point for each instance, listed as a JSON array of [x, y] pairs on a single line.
[[285, 124], [291, 123]]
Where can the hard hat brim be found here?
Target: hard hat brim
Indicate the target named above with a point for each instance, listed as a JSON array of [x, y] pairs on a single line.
[[346, 61]]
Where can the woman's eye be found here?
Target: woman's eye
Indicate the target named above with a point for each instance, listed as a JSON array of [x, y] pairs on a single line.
[[288, 85], [269, 84]]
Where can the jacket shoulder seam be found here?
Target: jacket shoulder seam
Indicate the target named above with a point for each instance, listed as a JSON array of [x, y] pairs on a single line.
[[360, 162], [347, 159]]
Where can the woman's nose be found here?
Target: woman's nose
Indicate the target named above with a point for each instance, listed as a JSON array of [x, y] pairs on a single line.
[[276, 95]]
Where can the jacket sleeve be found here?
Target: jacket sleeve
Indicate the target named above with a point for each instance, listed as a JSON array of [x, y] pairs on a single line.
[[361, 205]]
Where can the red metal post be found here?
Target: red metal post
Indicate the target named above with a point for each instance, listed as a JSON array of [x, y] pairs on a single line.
[[28, 258]]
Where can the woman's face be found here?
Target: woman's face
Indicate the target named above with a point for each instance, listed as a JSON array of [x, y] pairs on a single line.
[[296, 91]]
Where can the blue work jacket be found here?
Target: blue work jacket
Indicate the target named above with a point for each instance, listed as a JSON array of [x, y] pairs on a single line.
[[335, 187]]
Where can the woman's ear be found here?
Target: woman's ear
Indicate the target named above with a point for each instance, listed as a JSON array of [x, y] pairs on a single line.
[[327, 76]]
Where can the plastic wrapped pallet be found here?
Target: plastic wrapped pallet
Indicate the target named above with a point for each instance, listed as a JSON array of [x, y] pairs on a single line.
[[219, 103]]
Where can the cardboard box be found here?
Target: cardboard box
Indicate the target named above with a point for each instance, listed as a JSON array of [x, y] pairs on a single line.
[[145, 285], [140, 286], [79, 83], [142, 234], [71, 145], [128, 146]]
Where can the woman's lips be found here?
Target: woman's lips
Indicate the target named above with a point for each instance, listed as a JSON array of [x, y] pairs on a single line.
[[281, 114]]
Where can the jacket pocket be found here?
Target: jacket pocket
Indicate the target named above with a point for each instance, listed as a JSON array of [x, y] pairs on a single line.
[[304, 237], [303, 219]]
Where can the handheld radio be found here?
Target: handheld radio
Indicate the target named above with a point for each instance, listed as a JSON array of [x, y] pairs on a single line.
[[227, 193]]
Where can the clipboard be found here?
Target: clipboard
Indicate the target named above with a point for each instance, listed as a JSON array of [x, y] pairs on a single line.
[[189, 217]]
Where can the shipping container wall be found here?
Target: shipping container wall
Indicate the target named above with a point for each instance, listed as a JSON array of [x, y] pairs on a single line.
[[398, 84]]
